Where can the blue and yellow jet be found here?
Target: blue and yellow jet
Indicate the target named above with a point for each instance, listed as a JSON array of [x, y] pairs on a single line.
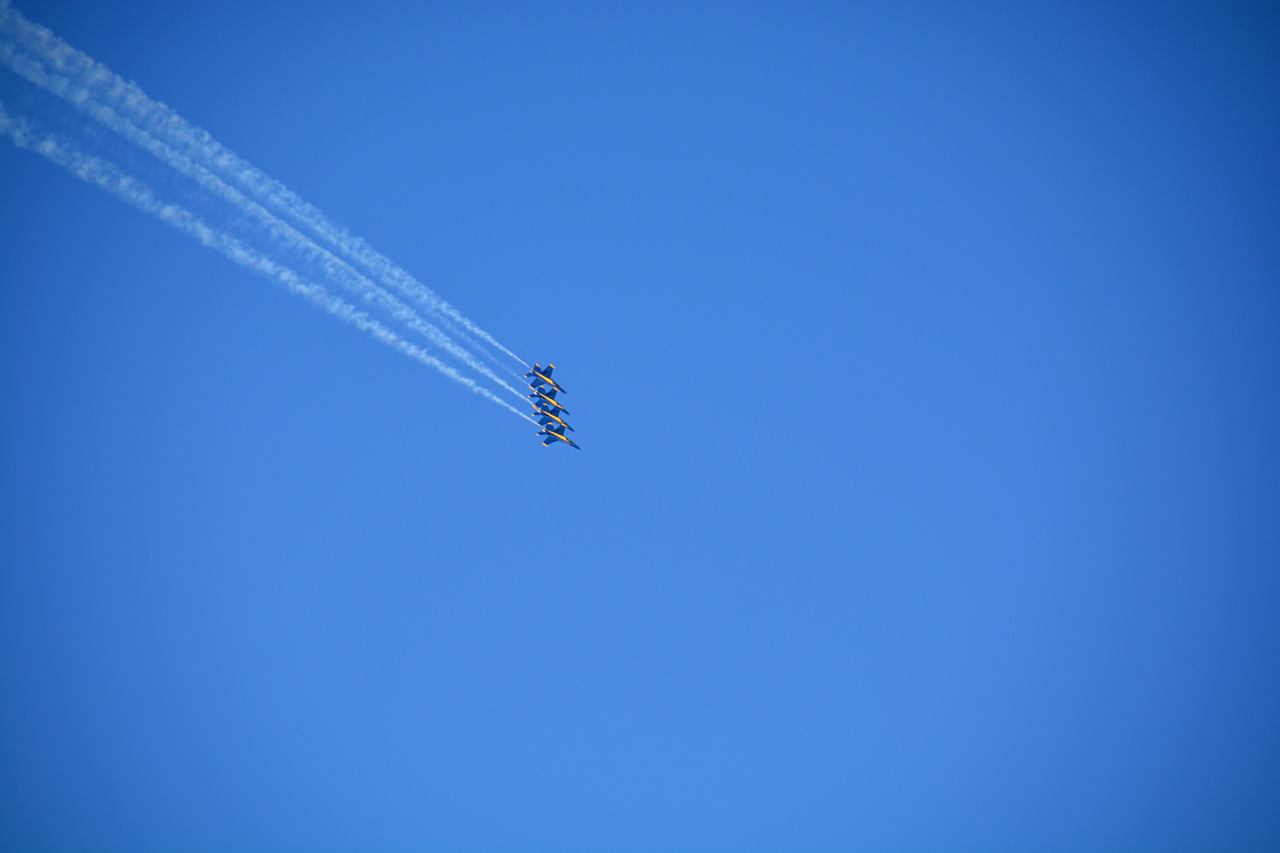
[[542, 377], [547, 418], [554, 434], [546, 400]]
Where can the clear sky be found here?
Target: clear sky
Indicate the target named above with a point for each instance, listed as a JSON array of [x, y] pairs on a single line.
[[926, 365]]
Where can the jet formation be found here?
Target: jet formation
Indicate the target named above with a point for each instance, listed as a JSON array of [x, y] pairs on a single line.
[[546, 408]]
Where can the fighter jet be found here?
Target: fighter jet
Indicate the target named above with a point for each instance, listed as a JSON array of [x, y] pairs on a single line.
[[546, 400], [542, 378], [547, 418], [554, 434]]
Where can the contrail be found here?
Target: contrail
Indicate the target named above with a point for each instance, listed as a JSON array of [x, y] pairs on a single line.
[[160, 121], [284, 234], [100, 173]]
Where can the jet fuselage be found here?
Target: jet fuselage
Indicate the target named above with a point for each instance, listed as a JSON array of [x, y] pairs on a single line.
[[550, 434], [546, 401], [552, 416]]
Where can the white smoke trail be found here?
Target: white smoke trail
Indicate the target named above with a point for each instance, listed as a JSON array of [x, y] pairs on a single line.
[[282, 233], [162, 122], [100, 173]]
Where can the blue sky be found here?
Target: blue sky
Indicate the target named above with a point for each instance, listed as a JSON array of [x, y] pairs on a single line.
[[925, 362]]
